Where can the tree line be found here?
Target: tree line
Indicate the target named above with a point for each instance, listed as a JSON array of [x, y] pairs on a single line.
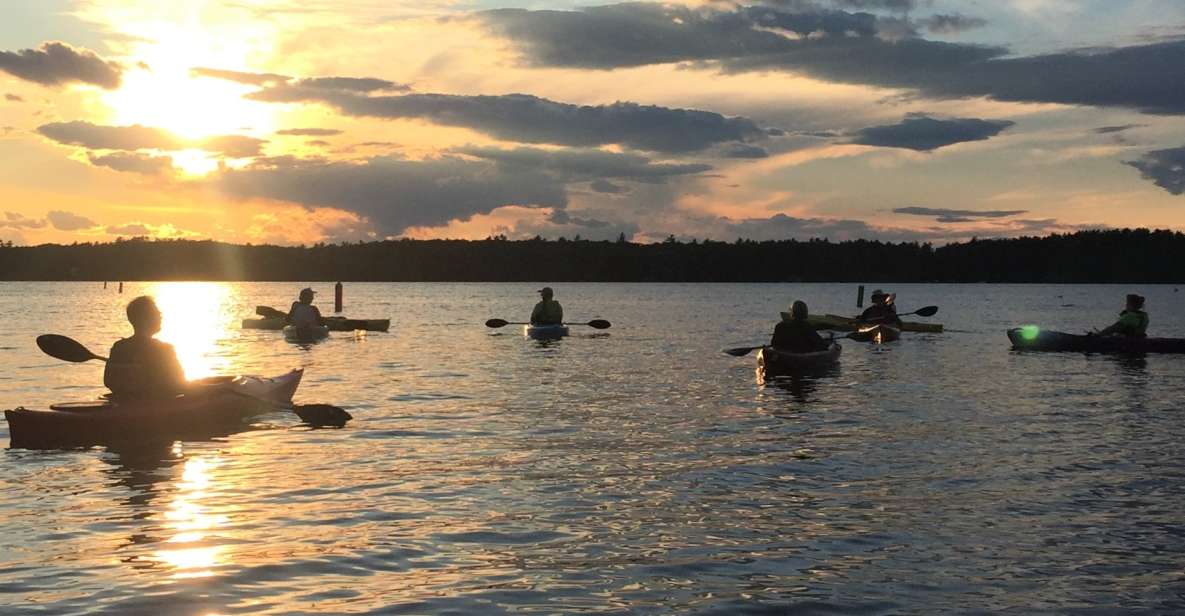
[[1095, 256]]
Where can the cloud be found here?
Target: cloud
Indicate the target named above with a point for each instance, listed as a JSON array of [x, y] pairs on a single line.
[[254, 79], [1105, 130], [13, 220], [309, 132], [950, 216], [132, 162], [607, 187], [1165, 168], [55, 63], [584, 164], [137, 137], [744, 150], [351, 84], [872, 5], [921, 133], [394, 193], [68, 221], [13, 98], [952, 23], [133, 229], [1142, 77], [530, 119], [100, 137]]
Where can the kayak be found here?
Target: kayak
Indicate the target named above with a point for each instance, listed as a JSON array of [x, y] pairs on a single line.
[[335, 324], [1032, 338], [848, 324], [879, 334], [772, 362], [545, 332], [216, 408], [305, 334]]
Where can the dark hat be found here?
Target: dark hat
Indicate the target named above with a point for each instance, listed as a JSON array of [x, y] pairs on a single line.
[[546, 291]]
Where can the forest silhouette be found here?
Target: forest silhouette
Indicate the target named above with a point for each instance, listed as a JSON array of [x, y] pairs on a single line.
[[1095, 256]]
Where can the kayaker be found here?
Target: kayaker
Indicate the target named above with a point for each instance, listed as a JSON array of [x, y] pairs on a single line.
[[303, 314], [547, 311], [795, 334], [142, 366], [1133, 321], [882, 310]]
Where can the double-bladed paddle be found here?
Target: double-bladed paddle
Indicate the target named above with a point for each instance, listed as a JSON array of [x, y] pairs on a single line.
[[69, 349], [928, 311], [595, 323]]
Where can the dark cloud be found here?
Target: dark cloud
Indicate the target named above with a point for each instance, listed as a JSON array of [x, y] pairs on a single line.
[[1105, 130], [68, 221], [55, 63], [607, 187], [13, 220], [872, 5], [132, 162], [1165, 168], [254, 79], [585, 164], [100, 137], [395, 194], [829, 23], [744, 150], [318, 142], [309, 132], [952, 23], [948, 215], [351, 84], [923, 133], [13, 98], [530, 119], [1143, 77], [137, 137]]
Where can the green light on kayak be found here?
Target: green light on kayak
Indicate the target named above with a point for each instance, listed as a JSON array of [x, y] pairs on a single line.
[[1029, 332]]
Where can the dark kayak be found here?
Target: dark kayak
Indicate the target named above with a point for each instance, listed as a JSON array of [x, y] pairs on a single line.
[[335, 324], [1032, 338], [876, 333], [772, 362], [217, 408]]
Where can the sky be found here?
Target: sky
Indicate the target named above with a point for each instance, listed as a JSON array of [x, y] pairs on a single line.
[[302, 121]]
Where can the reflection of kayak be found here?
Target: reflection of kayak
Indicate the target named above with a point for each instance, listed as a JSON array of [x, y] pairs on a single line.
[[1032, 338], [209, 411], [335, 324], [305, 334], [847, 324], [771, 361], [545, 332], [876, 333]]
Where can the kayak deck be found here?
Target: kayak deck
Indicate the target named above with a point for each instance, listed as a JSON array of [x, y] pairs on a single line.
[[848, 324], [878, 334], [773, 362], [1032, 338], [545, 332], [208, 411], [305, 334]]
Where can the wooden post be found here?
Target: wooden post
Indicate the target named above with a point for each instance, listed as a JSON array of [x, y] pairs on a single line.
[[121, 287], [337, 297], [104, 284], [860, 297]]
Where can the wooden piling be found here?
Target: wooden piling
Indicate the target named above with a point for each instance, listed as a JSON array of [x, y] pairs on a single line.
[[337, 297], [860, 297]]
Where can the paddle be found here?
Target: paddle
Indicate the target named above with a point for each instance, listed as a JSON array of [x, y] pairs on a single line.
[[743, 351], [270, 313], [595, 323], [68, 349], [928, 311]]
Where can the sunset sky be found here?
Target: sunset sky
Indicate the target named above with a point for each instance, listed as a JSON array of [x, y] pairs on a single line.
[[296, 121]]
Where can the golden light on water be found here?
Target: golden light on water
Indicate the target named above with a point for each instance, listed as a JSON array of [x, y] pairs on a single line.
[[192, 522], [195, 320]]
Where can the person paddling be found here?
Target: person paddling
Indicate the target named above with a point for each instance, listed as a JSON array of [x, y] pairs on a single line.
[[882, 311], [141, 366], [303, 314], [795, 334], [1133, 321], [547, 311]]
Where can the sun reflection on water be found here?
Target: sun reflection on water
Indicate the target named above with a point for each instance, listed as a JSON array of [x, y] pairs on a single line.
[[192, 521], [196, 317]]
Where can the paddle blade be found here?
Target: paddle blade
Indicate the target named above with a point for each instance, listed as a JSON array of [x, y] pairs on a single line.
[[928, 311], [740, 351], [270, 313], [497, 323], [600, 324], [322, 414], [66, 349]]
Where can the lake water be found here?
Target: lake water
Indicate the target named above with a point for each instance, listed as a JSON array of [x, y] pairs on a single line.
[[634, 471]]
